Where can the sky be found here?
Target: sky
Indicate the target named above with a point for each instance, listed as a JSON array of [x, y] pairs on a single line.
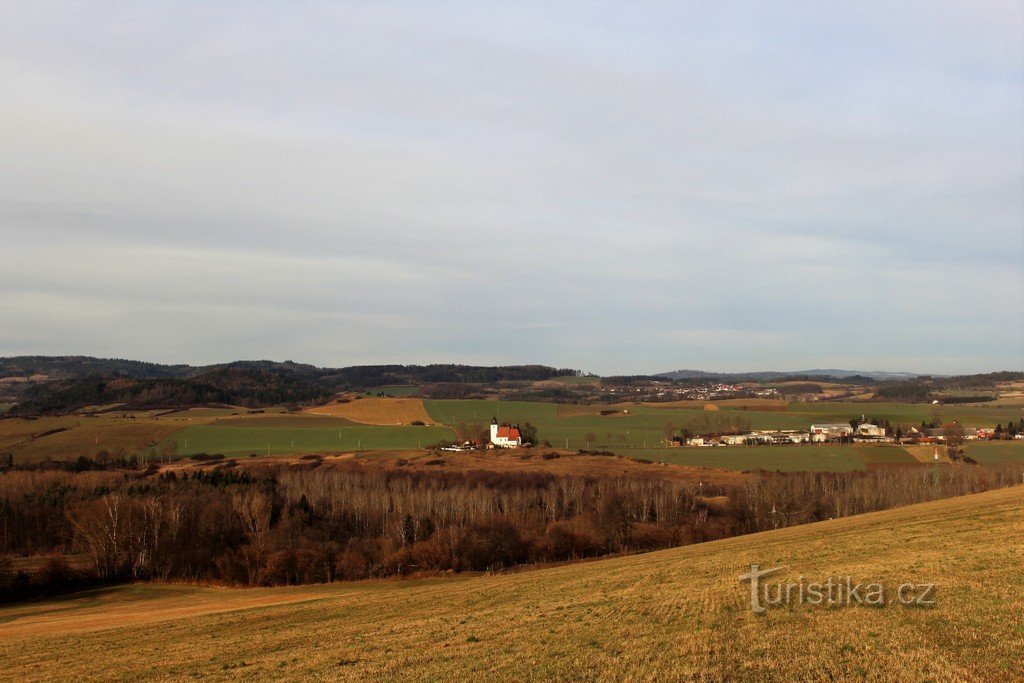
[[616, 187]]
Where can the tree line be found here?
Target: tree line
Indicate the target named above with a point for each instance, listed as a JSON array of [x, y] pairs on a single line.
[[277, 524]]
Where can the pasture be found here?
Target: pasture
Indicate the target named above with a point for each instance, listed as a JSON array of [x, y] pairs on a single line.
[[669, 615], [816, 458], [646, 426], [70, 437], [635, 430], [995, 452], [256, 439]]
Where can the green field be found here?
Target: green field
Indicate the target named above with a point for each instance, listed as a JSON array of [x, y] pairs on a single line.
[[814, 458], [996, 452], [823, 458], [975, 415], [640, 433], [645, 426], [243, 440]]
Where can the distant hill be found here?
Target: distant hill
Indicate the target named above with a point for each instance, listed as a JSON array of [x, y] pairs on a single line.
[[44, 384], [235, 385], [774, 375], [71, 367]]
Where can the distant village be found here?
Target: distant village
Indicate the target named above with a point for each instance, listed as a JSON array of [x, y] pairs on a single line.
[[705, 392], [854, 431]]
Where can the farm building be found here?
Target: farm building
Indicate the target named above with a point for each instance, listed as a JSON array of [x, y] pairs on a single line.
[[940, 433], [777, 436], [868, 429], [505, 436], [830, 430]]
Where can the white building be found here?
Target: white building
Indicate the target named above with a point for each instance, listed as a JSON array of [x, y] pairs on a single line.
[[868, 429], [505, 436], [830, 430]]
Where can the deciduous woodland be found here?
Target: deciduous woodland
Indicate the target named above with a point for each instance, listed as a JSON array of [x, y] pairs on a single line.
[[291, 524]]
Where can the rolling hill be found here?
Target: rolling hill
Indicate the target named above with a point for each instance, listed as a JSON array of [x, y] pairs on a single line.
[[675, 614]]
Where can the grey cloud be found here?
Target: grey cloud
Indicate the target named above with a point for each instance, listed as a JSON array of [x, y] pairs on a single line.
[[615, 187]]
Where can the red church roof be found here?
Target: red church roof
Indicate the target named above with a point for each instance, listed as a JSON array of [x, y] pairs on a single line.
[[510, 433]]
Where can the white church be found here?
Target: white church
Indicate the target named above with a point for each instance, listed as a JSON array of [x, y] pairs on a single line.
[[505, 436]]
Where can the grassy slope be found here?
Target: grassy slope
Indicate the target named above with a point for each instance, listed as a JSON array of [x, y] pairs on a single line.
[[673, 614]]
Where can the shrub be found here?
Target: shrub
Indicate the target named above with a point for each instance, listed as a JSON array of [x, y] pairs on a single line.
[[491, 544]]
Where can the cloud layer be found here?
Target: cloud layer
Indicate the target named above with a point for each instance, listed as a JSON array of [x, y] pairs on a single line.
[[622, 187]]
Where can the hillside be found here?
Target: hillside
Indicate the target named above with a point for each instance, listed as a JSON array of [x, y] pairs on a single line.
[[674, 614], [770, 375], [236, 385]]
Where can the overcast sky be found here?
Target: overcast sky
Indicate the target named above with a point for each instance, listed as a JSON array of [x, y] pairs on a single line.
[[621, 187]]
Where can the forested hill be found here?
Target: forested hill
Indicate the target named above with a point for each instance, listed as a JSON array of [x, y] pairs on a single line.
[[46, 384], [74, 367], [77, 367], [252, 387]]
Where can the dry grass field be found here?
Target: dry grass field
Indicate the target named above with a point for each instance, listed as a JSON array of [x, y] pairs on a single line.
[[378, 411], [533, 460], [670, 615], [71, 436]]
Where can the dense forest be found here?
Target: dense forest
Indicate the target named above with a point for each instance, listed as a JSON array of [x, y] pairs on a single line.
[[921, 389], [250, 387], [289, 524]]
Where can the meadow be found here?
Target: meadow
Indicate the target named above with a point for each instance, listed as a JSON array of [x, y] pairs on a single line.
[[669, 615], [806, 458], [634, 430], [645, 426], [257, 439]]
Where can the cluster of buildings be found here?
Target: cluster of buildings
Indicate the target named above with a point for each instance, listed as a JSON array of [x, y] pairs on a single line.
[[818, 433], [864, 432], [501, 436], [666, 391], [940, 434]]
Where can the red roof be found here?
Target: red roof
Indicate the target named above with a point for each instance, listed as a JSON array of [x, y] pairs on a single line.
[[510, 433]]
